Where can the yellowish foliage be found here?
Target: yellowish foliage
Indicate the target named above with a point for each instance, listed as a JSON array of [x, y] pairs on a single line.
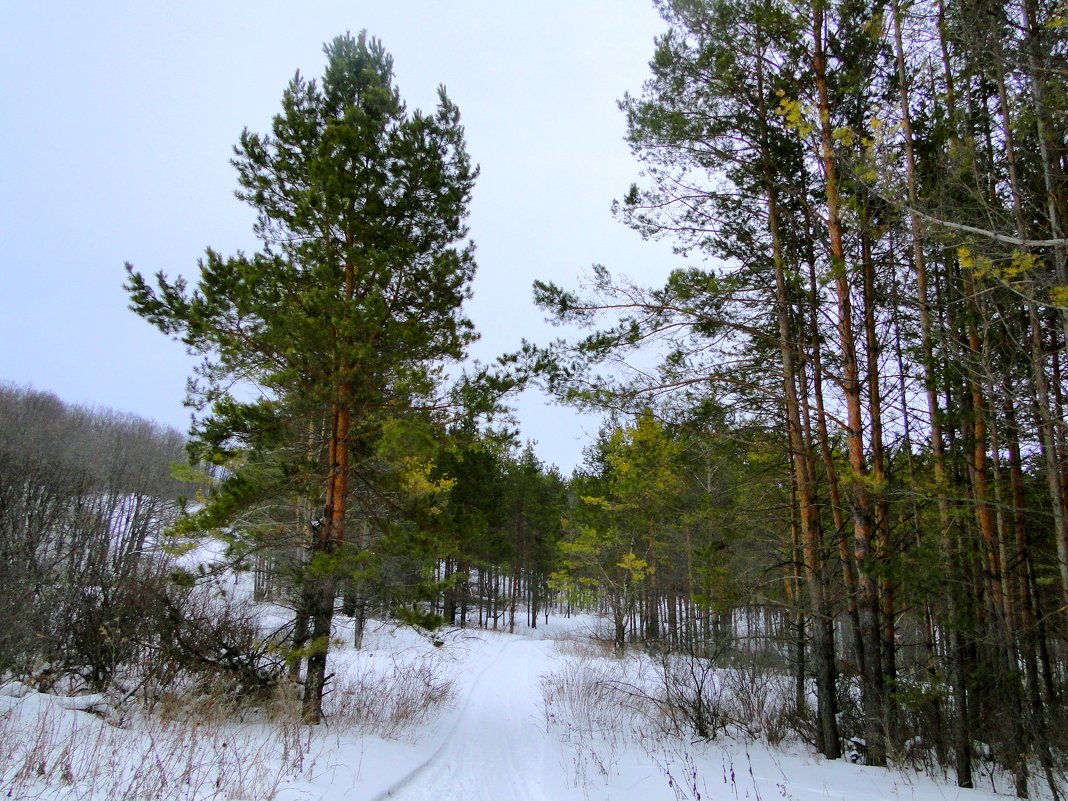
[[1018, 264], [965, 257], [1058, 20], [796, 114], [416, 478], [635, 565], [845, 135]]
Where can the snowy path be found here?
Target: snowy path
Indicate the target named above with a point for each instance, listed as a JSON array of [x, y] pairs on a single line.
[[497, 748]]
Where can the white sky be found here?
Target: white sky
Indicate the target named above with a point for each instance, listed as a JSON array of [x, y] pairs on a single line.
[[116, 130]]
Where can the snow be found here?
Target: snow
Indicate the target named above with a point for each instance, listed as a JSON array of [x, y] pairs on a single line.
[[485, 734], [496, 737]]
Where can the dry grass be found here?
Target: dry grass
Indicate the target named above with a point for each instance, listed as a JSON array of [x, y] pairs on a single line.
[[599, 704], [584, 698], [203, 747], [391, 697], [590, 704], [147, 758], [582, 647]]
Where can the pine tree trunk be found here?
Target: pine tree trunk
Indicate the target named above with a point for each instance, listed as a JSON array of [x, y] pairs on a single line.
[[464, 589], [881, 521], [860, 498], [535, 600], [845, 557], [652, 599], [672, 618], [330, 537], [515, 597], [324, 593], [800, 455], [448, 607], [792, 583], [300, 629]]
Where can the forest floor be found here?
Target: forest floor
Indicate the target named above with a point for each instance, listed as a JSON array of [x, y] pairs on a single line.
[[468, 714]]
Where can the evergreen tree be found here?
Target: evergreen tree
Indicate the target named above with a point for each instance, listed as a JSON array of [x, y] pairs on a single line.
[[340, 324]]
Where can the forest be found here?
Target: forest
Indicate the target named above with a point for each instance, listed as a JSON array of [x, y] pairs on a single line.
[[834, 446]]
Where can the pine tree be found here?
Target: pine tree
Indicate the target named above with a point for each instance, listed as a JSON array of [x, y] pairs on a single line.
[[341, 323]]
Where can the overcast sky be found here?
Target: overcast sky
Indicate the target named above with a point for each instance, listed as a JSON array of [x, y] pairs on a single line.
[[118, 123]]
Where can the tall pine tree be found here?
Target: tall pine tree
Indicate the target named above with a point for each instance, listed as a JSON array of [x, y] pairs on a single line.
[[342, 321]]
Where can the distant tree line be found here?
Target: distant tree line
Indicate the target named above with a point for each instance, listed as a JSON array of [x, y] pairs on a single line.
[[85, 496]]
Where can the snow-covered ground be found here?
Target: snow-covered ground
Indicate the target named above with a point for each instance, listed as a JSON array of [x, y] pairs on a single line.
[[475, 715]]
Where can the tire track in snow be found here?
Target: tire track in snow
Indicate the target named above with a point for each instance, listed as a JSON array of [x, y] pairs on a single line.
[[496, 747]]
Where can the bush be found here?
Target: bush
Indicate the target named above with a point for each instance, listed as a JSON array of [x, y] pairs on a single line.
[[203, 642], [759, 700], [689, 694]]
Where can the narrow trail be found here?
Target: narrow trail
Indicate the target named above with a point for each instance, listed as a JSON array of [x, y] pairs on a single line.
[[497, 748]]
